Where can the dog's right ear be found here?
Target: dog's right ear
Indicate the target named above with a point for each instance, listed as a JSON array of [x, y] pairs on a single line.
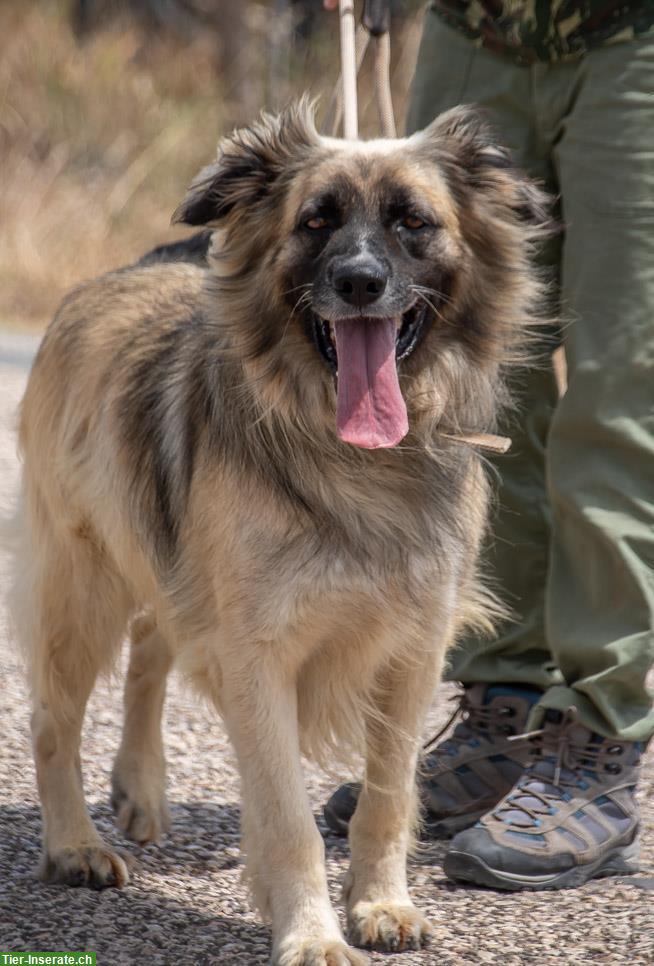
[[252, 163]]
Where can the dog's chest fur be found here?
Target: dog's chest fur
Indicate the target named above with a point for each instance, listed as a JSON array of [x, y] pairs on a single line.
[[367, 554]]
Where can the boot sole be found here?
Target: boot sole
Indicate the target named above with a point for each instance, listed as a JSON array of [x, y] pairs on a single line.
[[464, 867]]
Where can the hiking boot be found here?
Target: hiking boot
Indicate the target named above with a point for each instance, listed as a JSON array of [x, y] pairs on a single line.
[[340, 808], [572, 816], [465, 775]]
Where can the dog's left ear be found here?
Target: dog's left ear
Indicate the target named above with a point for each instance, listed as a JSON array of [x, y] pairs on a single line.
[[251, 163], [463, 137]]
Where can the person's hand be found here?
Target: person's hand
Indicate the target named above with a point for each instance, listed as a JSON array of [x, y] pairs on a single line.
[[330, 4]]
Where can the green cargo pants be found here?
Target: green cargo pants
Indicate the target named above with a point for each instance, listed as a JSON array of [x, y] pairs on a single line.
[[573, 540]]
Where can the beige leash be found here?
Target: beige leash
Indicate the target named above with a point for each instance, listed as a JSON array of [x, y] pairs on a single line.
[[344, 107], [488, 441], [349, 69]]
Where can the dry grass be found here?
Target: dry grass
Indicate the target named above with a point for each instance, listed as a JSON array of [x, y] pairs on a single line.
[[96, 144], [99, 140]]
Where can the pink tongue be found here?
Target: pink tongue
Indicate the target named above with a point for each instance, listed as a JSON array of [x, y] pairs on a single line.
[[370, 410]]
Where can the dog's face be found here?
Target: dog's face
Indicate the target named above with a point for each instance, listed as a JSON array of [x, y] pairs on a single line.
[[369, 252], [370, 264], [371, 239]]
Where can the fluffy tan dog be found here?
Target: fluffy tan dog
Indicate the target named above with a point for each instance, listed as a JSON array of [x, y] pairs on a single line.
[[248, 460]]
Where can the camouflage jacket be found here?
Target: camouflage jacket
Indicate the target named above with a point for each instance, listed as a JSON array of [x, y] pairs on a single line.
[[546, 30]]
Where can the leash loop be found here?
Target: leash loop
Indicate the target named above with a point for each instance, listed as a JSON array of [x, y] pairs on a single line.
[[343, 106]]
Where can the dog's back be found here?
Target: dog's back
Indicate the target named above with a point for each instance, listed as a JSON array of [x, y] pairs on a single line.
[[193, 249]]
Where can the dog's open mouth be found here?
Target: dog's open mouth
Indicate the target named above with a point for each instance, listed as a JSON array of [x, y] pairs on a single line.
[[409, 331], [364, 352]]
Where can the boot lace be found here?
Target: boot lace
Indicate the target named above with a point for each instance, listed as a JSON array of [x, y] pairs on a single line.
[[562, 766], [476, 718]]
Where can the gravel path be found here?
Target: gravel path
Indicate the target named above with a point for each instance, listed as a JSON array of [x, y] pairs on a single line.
[[185, 904]]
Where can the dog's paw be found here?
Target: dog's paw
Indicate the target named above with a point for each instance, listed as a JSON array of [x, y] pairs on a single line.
[[141, 807], [94, 866], [388, 927], [317, 952]]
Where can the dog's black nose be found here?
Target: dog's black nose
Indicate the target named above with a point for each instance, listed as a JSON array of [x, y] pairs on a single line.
[[359, 282]]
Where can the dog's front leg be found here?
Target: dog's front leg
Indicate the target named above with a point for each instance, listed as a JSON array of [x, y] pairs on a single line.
[[381, 914], [284, 850]]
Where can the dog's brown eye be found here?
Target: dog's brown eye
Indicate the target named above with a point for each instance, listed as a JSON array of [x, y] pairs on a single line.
[[413, 222], [316, 223]]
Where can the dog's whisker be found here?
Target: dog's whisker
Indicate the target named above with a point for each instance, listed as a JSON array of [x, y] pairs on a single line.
[[437, 293], [421, 291], [436, 312], [306, 285], [440, 297], [305, 298]]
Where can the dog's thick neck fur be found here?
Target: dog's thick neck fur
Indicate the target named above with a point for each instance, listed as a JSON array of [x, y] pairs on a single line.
[[335, 490]]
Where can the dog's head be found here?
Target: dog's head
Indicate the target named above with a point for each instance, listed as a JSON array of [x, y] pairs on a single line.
[[396, 270]]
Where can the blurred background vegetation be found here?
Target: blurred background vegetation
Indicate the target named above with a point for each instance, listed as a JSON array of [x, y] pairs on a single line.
[[109, 107]]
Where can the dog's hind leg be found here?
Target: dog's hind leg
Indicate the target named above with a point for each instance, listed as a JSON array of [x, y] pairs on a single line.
[[70, 611], [380, 912], [139, 773], [284, 849]]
